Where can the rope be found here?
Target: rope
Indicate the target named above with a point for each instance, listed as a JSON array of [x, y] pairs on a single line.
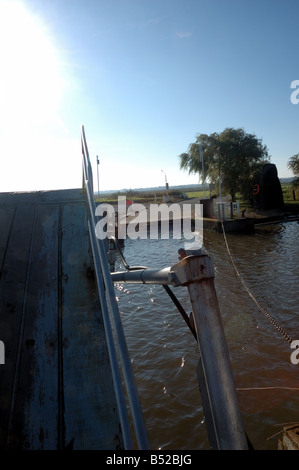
[[267, 315]]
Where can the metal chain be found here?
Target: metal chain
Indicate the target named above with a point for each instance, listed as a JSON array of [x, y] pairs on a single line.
[[267, 315]]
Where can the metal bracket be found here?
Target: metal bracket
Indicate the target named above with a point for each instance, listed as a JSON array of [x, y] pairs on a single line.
[[192, 268]]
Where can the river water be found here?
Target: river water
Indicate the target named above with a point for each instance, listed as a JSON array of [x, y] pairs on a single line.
[[165, 354]]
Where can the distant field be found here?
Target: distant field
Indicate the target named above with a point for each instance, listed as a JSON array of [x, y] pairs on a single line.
[[199, 194], [149, 197]]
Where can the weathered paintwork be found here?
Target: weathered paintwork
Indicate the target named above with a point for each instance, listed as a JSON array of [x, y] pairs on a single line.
[[56, 388]]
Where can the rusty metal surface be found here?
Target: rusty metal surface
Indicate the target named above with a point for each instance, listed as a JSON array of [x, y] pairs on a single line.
[[290, 438], [56, 387], [193, 268]]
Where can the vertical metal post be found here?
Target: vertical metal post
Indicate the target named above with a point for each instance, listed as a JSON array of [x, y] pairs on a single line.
[[221, 210], [219, 172], [231, 210], [98, 162], [203, 170], [166, 184], [220, 401]]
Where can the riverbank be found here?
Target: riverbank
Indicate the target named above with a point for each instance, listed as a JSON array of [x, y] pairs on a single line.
[[289, 212], [212, 213]]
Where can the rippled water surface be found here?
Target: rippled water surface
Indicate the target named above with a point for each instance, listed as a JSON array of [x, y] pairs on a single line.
[[165, 354]]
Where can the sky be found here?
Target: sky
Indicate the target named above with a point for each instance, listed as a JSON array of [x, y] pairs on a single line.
[[144, 78]]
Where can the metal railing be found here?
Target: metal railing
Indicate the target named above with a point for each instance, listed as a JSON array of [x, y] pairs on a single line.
[[194, 271], [117, 348], [227, 210]]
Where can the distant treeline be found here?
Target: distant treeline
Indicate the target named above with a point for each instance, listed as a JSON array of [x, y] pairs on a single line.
[[145, 196], [173, 190]]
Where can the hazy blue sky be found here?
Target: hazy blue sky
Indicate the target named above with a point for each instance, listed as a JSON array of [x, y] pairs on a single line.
[[144, 77]]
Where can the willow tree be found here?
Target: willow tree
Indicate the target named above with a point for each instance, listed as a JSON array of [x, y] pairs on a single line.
[[293, 164], [233, 155]]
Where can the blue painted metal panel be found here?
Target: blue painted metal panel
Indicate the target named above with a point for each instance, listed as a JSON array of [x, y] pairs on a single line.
[[56, 387]]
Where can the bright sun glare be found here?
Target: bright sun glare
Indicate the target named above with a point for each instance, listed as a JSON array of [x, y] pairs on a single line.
[[30, 83], [31, 89]]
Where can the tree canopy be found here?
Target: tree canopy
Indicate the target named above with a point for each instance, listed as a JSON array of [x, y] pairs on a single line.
[[293, 164], [233, 154]]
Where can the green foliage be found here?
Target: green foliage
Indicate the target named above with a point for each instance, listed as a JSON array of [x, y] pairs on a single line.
[[293, 164], [233, 154]]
